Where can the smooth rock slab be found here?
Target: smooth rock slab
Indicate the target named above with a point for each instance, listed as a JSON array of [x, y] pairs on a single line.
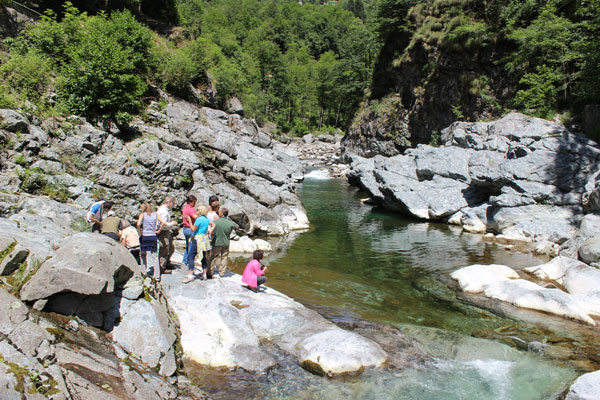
[[554, 270], [223, 323], [141, 332], [474, 278], [494, 282], [586, 387], [526, 294]]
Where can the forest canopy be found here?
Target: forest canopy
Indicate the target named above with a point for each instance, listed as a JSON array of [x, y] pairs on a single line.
[[306, 67]]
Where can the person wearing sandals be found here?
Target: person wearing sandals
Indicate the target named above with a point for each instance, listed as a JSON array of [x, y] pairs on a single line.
[[254, 273], [199, 243], [148, 224]]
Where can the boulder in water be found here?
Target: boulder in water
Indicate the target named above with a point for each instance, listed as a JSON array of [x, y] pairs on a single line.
[[474, 278], [586, 387]]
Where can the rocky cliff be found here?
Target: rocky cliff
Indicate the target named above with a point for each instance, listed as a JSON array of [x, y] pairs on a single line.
[[525, 178], [177, 149]]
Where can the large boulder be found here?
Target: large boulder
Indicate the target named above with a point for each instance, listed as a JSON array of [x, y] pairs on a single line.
[[241, 320], [586, 387], [86, 264]]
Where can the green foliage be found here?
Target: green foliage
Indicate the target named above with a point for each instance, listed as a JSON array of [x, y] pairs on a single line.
[[539, 56], [177, 69], [101, 79], [32, 181], [270, 55], [26, 76], [57, 192], [100, 62]]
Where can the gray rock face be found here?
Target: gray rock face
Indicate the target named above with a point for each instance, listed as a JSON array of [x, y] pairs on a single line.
[[13, 121], [96, 279], [147, 331], [87, 264], [47, 358], [527, 176], [159, 158], [589, 227]]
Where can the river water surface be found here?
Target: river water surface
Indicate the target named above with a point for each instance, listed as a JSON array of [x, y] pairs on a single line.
[[361, 263]]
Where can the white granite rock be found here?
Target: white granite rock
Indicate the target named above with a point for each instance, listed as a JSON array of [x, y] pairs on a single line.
[[337, 351], [247, 245], [474, 278], [527, 294], [240, 319], [586, 387], [554, 270]]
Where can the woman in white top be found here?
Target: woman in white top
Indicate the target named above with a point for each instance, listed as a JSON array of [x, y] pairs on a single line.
[[148, 224]]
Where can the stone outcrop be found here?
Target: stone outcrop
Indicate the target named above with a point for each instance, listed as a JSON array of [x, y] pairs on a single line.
[[575, 294], [321, 151], [179, 149], [240, 320], [42, 356], [95, 279], [524, 178]]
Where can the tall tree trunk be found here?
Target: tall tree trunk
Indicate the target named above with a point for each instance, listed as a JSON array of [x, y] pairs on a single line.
[[321, 118], [337, 115]]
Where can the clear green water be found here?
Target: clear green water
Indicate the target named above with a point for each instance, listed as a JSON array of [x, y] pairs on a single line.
[[357, 262], [362, 262]]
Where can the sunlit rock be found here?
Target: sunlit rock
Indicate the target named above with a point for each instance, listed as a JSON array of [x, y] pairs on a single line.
[[474, 278]]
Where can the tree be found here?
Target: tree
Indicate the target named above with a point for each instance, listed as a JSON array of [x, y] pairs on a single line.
[[547, 55]]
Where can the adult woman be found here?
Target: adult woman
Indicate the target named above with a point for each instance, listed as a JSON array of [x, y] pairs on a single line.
[[199, 243], [254, 273], [189, 216], [148, 223]]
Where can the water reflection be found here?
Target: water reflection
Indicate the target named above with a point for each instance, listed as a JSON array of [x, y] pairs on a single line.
[[365, 263], [369, 263]]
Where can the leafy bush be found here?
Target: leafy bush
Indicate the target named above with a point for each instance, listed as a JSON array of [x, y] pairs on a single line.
[[177, 70], [28, 75], [100, 60]]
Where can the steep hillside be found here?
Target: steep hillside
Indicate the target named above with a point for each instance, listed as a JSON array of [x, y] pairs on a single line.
[[448, 60]]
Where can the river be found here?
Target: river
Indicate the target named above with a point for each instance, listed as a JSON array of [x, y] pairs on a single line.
[[361, 263]]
